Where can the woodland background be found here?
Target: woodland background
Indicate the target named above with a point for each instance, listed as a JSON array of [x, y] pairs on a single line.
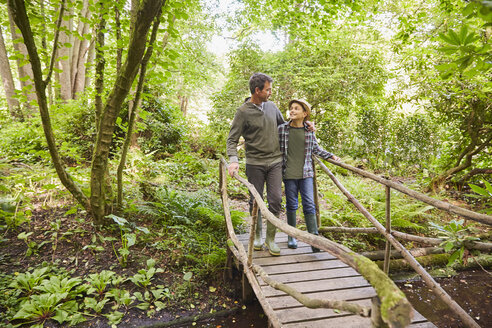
[[114, 113]]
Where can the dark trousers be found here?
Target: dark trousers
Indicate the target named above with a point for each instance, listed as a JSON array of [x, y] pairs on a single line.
[[258, 175]]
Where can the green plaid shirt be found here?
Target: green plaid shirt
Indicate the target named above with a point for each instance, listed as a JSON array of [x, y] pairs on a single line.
[[311, 147]]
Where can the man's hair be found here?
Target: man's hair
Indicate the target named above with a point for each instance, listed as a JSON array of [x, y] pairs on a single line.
[[258, 80]]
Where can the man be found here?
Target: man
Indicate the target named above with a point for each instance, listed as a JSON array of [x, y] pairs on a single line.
[[257, 121]]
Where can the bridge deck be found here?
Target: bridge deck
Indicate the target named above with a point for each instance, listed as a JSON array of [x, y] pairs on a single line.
[[318, 275]]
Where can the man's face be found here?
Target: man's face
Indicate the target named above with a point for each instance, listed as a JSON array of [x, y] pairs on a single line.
[[264, 94]]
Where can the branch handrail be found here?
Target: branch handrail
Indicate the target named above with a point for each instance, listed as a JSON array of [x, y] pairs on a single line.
[[395, 308], [469, 244], [445, 206], [427, 278]]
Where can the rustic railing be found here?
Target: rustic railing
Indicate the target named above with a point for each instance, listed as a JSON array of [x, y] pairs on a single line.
[[389, 235], [391, 306]]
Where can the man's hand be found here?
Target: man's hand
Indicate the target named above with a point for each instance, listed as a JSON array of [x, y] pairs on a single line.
[[233, 168], [335, 158], [311, 126]]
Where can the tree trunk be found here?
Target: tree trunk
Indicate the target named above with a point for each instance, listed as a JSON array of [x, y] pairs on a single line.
[[468, 156], [19, 15], [183, 104], [119, 50], [134, 107], [8, 80], [65, 64], [99, 72], [90, 63], [24, 69], [144, 18], [79, 53]]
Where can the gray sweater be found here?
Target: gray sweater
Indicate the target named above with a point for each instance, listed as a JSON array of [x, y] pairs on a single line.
[[259, 130]]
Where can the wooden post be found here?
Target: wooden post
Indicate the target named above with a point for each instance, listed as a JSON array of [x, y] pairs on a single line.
[[247, 290], [316, 198], [388, 230], [254, 220], [228, 266]]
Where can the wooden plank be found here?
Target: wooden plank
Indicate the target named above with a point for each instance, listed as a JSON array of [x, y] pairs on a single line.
[[308, 275], [286, 301], [320, 285], [295, 267], [295, 258], [302, 314], [426, 324], [349, 321], [284, 251]]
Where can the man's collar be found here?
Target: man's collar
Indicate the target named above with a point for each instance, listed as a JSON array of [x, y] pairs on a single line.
[[260, 107]]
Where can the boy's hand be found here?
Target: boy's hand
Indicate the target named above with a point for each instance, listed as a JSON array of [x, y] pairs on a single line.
[[335, 158], [311, 126]]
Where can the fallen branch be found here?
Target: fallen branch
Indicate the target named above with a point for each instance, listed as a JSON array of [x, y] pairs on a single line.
[[313, 303], [481, 246], [416, 252]]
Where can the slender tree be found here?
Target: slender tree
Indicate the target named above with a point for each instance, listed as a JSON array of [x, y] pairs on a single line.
[[19, 15], [147, 11], [8, 80]]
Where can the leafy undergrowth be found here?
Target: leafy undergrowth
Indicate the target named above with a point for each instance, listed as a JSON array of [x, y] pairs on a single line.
[[58, 270]]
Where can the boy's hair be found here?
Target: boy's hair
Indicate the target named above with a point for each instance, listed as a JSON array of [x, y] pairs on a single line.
[[258, 80], [304, 104]]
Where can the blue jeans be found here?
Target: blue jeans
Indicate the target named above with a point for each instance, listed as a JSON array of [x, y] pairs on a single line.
[[292, 189]]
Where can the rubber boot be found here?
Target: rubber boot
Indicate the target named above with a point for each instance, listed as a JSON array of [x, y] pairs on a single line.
[[270, 239], [291, 220], [312, 227], [257, 245]]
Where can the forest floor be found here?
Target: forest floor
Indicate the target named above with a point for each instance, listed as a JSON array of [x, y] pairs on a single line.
[[68, 245], [66, 250]]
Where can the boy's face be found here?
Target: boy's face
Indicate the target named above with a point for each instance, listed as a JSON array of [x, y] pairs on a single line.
[[297, 112]]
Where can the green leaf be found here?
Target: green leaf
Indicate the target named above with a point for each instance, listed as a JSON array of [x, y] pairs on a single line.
[[23, 235], [61, 316], [150, 263], [480, 190], [454, 37], [114, 317], [119, 220], [188, 275], [449, 50], [143, 305], [463, 33], [448, 39], [448, 246], [159, 305]]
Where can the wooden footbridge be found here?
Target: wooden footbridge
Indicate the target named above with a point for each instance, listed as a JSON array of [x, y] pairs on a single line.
[[336, 287], [318, 276]]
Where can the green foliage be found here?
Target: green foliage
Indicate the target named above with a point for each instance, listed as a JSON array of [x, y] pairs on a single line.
[[144, 276], [49, 293], [484, 194], [406, 213], [74, 126], [128, 239], [455, 234], [194, 227], [23, 141], [164, 129]]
